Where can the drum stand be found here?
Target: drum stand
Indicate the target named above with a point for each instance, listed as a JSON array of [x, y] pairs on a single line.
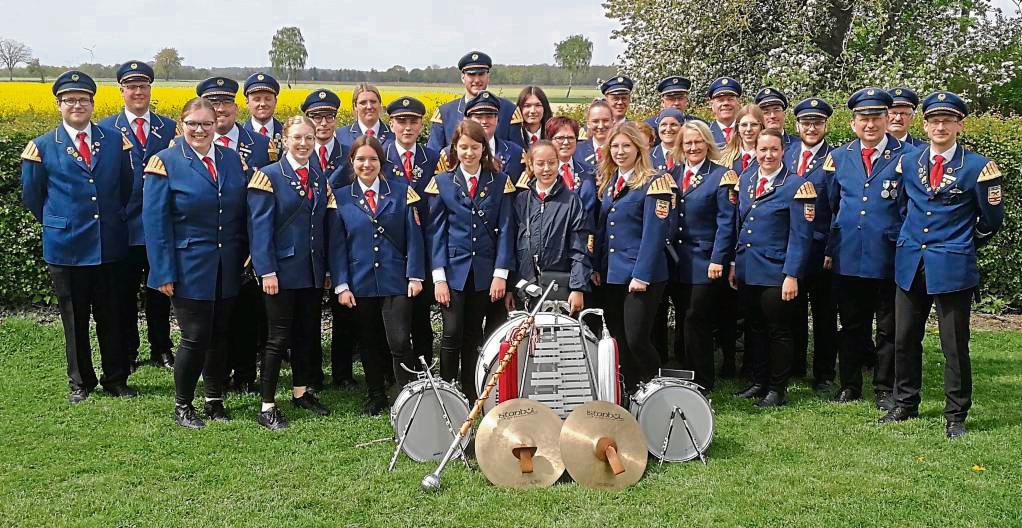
[[670, 429], [428, 375]]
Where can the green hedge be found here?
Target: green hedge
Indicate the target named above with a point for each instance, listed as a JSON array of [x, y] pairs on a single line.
[[23, 278]]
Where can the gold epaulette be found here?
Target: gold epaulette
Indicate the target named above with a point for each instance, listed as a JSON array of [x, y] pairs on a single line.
[[272, 151], [442, 165], [806, 192], [523, 180], [990, 172], [437, 118], [260, 182], [155, 166], [508, 186], [516, 117], [125, 144], [662, 185], [431, 187], [730, 178], [31, 153], [331, 201], [412, 196], [828, 164]]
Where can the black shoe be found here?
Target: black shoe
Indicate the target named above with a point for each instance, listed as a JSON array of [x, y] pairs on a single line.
[[727, 371], [846, 396], [885, 401], [272, 419], [162, 360], [898, 414], [955, 429], [186, 416], [121, 391], [773, 399], [310, 402], [78, 395], [823, 386], [375, 405], [753, 391], [345, 383], [315, 387], [215, 411]]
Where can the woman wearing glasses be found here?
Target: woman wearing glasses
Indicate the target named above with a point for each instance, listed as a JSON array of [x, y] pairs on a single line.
[[194, 217], [535, 109], [740, 152]]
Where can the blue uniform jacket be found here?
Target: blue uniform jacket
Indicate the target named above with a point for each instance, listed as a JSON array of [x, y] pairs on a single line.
[[632, 232], [821, 181], [659, 160], [448, 115], [338, 169], [161, 132], [718, 133], [195, 227], [943, 225], [867, 214], [470, 234], [290, 235], [585, 153], [380, 252], [347, 134], [775, 231], [916, 142], [81, 207], [552, 235], [276, 141], [703, 224], [255, 149], [511, 156]]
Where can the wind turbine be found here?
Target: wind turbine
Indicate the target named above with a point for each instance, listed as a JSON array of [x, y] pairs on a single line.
[[92, 56]]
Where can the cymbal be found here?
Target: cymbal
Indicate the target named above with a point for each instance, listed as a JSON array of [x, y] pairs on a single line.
[[517, 445], [603, 446]]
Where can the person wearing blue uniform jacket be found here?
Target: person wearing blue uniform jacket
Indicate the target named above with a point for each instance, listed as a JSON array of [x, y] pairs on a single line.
[[196, 238], [776, 209], [867, 217], [723, 94], [261, 91], [774, 104], [630, 258], [248, 323], [475, 75], [416, 164], [535, 109], [599, 122], [617, 91], [148, 134], [740, 152], [903, 109], [76, 181], [673, 94], [381, 266], [806, 159], [331, 156], [551, 237], [703, 239], [668, 127], [471, 248], [293, 228], [483, 109], [955, 203], [365, 103]]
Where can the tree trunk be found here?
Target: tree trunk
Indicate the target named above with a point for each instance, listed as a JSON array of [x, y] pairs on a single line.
[[570, 75]]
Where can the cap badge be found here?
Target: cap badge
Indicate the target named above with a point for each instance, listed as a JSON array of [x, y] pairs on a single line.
[[219, 82], [475, 56], [74, 76], [405, 102], [767, 91], [814, 103], [723, 81], [870, 92], [322, 95], [620, 79], [897, 92], [134, 66], [674, 80], [486, 95], [941, 97], [261, 77]]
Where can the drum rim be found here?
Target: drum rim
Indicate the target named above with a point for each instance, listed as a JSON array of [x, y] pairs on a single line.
[[445, 388], [654, 447]]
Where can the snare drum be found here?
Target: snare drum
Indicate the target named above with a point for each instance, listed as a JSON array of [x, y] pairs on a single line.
[[652, 405], [428, 438]]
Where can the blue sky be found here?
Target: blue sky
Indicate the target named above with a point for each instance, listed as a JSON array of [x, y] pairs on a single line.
[[348, 34]]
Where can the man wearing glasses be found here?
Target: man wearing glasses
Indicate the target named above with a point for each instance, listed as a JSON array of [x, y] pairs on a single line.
[[673, 94], [76, 181], [901, 114], [148, 134]]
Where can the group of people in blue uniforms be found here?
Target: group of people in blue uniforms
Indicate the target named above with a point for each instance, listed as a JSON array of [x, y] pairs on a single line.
[[240, 227]]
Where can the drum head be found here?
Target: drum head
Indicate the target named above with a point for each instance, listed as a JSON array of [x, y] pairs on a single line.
[[654, 416], [428, 436]]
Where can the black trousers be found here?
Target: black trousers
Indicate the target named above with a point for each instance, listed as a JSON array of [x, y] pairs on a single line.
[[422, 324], [769, 343], [342, 343], [247, 332], [661, 333], [157, 308], [817, 291], [384, 323], [630, 318], [293, 320], [462, 337], [203, 347], [859, 302], [83, 291], [728, 313], [912, 307], [695, 307]]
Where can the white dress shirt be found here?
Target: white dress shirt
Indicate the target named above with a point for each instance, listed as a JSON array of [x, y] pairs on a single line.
[[232, 135], [146, 127], [256, 125]]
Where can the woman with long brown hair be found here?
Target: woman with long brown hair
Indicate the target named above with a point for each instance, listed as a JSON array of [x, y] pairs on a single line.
[[535, 109]]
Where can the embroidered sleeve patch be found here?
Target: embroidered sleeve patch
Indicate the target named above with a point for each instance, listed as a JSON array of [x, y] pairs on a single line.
[[994, 196], [663, 208]]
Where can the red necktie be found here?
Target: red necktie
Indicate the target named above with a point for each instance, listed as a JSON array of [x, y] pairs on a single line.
[[322, 157], [761, 187], [263, 131], [867, 159], [686, 181], [303, 177], [370, 133], [670, 161], [542, 196], [620, 185], [83, 148], [209, 166], [225, 141], [745, 160], [805, 162], [408, 165], [140, 131], [569, 182], [371, 198], [598, 155], [534, 138], [473, 182], [727, 134], [936, 171]]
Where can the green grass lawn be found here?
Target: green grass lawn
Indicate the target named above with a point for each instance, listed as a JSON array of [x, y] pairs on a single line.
[[110, 462]]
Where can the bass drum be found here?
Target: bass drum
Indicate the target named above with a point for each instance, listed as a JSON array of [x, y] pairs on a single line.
[[652, 405], [428, 437]]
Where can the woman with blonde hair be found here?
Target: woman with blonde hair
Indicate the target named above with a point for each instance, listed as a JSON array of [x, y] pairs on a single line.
[[366, 102], [740, 152], [629, 250]]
